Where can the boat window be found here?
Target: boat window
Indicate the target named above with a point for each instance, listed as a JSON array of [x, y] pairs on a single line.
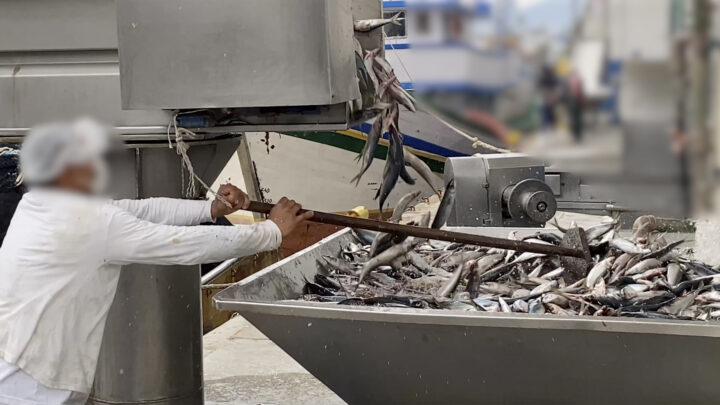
[[392, 30], [422, 22]]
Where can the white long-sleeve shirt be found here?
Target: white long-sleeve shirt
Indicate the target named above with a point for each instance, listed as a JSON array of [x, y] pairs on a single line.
[[61, 260]]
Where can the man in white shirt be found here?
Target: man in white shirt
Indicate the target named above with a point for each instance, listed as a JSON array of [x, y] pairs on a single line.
[[62, 256]]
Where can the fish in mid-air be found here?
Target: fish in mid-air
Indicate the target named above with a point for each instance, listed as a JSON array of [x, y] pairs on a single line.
[[446, 204], [394, 166], [371, 24]]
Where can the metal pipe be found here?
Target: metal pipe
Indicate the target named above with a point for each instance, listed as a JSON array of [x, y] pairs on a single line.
[[218, 270], [435, 234]]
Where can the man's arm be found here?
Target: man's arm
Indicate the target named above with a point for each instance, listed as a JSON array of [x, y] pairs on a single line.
[[133, 240], [168, 211]]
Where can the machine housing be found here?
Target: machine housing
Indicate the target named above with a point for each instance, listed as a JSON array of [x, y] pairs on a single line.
[[502, 190]]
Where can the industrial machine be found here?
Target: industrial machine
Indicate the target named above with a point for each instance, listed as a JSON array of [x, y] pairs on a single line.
[[499, 190]]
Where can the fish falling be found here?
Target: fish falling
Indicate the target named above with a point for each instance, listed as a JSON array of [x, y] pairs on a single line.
[[372, 24], [642, 276], [382, 95]]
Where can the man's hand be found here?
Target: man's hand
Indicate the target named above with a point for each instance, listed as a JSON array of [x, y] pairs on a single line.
[[285, 215], [237, 198]]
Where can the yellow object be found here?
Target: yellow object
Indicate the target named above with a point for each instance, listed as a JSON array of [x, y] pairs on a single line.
[[563, 67], [514, 137], [359, 211]]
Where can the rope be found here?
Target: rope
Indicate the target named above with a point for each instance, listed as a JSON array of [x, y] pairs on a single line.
[[476, 143], [181, 147]]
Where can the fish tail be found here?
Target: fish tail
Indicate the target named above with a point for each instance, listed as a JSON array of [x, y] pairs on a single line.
[[405, 175], [396, 19], [358, 176]]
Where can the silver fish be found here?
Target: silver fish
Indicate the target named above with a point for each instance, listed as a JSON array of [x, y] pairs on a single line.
[[481, 266], [557, 310], [495, 288], [387, 256], [536, 307], [371, 24], [545, 287], [368, 153], [553, 274], [627, 246], [487, 305], [525, 256], [648, 274], [394, 164], [403, 205], [711, 296], [504, 307], [424, 171], [622, 260], [402, 97], [389, 81], [369, 61], [598, 271], [383, 66], [461, 257], [642, 266], [446, 205], [452, 284], [679, 305], [536, 271], [520, 306], [338, 265], [381, 242], [555, 299], [417, 261], [597, 231]]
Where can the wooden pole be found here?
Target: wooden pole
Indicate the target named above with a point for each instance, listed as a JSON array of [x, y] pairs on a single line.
[[428, 233]]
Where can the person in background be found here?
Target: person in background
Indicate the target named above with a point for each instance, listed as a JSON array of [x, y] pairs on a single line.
[[548, 85], [576, 105], [62, 257]]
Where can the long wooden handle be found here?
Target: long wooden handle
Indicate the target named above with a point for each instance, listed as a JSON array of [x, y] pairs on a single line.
[[428, 233]]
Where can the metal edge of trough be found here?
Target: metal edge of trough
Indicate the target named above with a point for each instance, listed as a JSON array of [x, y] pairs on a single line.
[[224, 301]]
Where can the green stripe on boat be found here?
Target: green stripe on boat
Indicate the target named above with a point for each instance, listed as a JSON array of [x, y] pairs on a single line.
[[356, 145]]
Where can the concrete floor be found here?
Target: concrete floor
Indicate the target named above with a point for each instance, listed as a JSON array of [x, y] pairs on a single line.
[[243, 367]]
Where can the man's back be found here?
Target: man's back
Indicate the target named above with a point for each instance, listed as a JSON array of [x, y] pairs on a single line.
[[55, 284]]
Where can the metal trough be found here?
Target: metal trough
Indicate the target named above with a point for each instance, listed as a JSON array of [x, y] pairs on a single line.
[[396, 356]]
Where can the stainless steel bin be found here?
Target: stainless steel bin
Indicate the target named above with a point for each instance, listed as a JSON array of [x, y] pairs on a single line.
[[396, 356]]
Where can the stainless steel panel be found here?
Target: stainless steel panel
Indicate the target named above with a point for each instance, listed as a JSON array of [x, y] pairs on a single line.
[[30, 25], [39, 87], [230, 53], [33, 92], [399, 356], [152, 347]]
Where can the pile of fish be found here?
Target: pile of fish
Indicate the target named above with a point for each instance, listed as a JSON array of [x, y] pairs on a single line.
[[638, 276], [381, 97]]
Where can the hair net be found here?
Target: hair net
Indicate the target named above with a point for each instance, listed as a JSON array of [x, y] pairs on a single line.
[[49, 149]]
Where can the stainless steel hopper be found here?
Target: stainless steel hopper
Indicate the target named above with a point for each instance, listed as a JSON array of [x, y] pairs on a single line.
[[395, 356]]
